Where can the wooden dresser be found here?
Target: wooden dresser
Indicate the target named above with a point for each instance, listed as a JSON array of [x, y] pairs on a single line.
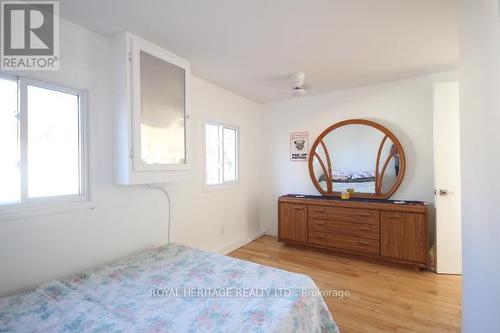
[[376, 229]]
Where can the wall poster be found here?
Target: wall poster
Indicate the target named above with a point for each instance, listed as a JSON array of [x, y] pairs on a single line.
[[299, 146]]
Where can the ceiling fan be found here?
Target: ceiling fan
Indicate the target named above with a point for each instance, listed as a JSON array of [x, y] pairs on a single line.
[[298, 88]]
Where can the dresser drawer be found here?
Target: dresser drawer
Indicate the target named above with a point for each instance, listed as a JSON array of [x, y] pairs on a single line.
[[362, 230], [343, 242], [368, 216]]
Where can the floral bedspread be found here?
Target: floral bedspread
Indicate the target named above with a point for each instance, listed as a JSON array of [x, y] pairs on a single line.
[[171, 289]]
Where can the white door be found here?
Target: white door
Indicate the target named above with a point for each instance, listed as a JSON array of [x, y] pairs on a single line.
[[447, 178]]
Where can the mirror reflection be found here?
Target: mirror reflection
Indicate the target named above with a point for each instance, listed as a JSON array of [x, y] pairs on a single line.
[[162, 111], [356, 157]]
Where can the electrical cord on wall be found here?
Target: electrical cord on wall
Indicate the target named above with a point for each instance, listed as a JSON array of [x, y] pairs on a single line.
[[164, 191]]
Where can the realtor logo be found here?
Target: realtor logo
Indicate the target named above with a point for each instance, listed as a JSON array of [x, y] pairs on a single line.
[[30, 35]]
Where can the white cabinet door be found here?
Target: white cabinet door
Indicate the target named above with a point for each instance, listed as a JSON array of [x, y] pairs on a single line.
[[160, 117], [151, 112]]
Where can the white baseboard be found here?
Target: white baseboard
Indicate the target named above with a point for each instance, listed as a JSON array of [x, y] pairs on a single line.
[[234, 246]]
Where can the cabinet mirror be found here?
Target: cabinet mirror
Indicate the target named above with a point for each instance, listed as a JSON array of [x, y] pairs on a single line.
[[160, 108]]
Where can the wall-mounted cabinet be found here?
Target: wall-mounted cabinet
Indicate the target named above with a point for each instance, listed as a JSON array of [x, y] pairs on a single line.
[[151, 101]]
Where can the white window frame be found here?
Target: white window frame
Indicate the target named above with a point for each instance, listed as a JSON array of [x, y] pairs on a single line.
[[224, 184], [28, 207]]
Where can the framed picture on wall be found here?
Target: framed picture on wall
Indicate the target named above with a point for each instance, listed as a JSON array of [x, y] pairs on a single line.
[[299, 146]]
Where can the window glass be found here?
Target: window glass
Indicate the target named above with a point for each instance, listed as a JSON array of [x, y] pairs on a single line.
[[10, 187], [53, 143], [212, 154], [221, 147], [229, 154]]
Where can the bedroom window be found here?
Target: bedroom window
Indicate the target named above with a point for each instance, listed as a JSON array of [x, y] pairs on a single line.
[[41, 142], [221, 154]]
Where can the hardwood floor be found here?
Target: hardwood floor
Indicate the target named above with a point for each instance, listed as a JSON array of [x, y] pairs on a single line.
[[382, 298]]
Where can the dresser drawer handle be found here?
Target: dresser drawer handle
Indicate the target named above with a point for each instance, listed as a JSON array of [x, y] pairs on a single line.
[[392, 216], [364, 242], [319, 223], [320, 237], [319, 211], [364, 214], [298, 208]]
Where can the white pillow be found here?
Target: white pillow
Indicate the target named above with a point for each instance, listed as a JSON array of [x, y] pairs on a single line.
[[339, 175], [361, 175]]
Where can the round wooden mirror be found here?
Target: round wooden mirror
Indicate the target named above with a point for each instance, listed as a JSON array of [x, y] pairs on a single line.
[[360, 156]]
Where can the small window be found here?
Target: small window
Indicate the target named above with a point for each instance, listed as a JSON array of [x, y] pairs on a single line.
[[221, 147], [41, 140]]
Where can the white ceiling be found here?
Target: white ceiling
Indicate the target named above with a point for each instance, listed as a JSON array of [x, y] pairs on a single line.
[[251, 46]]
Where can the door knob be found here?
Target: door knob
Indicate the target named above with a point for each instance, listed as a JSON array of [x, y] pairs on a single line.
[[443, 192]]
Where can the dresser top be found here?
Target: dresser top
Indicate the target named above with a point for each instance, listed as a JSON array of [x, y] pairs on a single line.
[[402, 205], [322, 197]]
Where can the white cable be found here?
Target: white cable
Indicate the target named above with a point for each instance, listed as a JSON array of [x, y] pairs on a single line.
[[161, 189]]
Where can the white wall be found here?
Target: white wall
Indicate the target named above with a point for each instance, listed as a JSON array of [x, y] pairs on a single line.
[[405, 107], [199, 215], [130, 219], [480, 119]]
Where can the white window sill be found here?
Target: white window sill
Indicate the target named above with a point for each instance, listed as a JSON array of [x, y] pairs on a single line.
[[222, 187], [23, 212]]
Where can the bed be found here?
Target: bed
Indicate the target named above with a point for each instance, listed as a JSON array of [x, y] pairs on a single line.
[[360, 182], [367, 186], [171, 289]]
